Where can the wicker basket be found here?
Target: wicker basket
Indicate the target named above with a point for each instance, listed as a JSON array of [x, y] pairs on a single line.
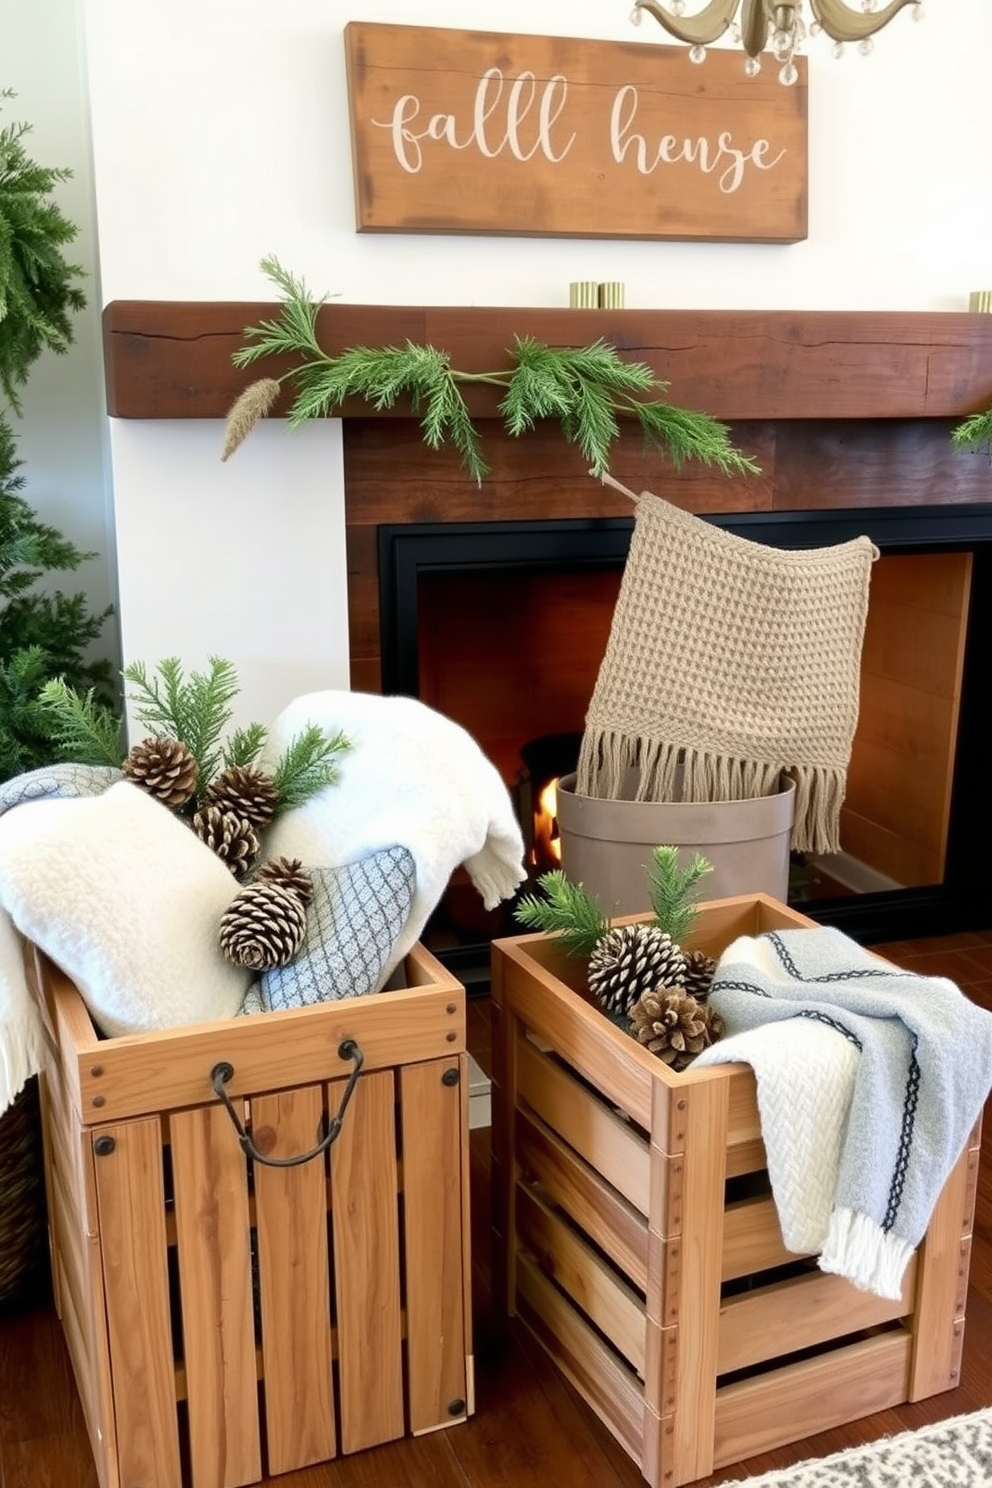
[[24, 1263]]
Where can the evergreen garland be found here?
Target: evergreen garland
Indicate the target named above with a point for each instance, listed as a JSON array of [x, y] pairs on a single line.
[[587, 390]]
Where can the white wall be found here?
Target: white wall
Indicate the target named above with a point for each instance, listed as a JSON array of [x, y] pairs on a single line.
[[221, 134]]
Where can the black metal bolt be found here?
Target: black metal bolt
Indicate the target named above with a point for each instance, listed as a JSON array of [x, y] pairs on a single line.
[[450, 1077], [104, 1146], [456, 1407]]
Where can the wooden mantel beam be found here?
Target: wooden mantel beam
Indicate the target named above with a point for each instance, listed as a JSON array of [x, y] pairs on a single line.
[[170, 359]]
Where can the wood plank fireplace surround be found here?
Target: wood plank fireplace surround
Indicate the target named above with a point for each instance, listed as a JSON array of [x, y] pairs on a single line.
[[848, 415]]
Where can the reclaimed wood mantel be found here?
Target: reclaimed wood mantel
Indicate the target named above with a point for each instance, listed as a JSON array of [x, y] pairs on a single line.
[[839, 409], [172, 359]]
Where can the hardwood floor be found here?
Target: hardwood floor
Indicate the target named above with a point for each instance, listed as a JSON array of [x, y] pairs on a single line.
[[529, 1428]]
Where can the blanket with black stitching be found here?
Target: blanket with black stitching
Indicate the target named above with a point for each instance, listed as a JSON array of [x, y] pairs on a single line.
[[922, 1072]]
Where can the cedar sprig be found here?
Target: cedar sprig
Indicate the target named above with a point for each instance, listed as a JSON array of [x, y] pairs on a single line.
[[587, 390], [567, 909], [974, 432], [196, 709], [295, 330], [84, 730], [244, 746], [307, 764], [671, 890]]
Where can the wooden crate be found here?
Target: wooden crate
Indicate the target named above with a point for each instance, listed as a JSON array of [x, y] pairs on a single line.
[[636, 1236], [227, 1320]]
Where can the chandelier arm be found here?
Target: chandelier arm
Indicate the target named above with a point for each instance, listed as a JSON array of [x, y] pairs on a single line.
[[698, 30], [843, 24], [754, 27]]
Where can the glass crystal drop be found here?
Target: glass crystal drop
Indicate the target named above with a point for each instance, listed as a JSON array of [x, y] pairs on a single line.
[[635, 16], [752, 67], [815, 28], [782, 45], [789, 74], [867, 6], [697, 54], [837, 50], [865, 46], [918, 11], [677, 7]]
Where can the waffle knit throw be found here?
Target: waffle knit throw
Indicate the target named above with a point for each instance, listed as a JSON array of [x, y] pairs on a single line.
[[734, 661], [867, 1106]]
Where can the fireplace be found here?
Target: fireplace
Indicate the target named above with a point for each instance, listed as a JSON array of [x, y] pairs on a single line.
[[844, 411], [501, 626]]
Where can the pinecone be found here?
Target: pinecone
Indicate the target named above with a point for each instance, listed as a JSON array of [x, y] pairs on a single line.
[[263, 926], [629, 960], [674, 1025], [289, 873], [699, 969], [163, 767], [249, 793], [231, 837]]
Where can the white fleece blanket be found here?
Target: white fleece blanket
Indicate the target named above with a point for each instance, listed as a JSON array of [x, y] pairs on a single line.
[[857, 1168], [413, 777], [126, 900]]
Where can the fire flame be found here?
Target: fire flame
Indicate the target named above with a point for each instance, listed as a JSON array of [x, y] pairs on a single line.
[[547, 846]]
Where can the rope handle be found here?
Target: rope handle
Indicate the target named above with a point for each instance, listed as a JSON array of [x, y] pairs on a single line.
[[224, 1072]]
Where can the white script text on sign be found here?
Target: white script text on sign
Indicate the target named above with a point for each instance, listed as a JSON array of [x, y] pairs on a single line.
[[465, 131]]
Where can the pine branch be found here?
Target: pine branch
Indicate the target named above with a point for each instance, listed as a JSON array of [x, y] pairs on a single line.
[[85, 730], [670, 889], [567, 910], [308, 763]]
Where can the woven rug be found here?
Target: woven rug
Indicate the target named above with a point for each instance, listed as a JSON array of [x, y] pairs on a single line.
[[956, 1453]]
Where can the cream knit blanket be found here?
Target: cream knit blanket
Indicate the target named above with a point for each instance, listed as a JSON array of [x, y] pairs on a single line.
[[735, 661]]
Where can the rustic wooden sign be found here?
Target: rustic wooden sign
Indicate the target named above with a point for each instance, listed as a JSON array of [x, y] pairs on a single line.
[[482, 132]]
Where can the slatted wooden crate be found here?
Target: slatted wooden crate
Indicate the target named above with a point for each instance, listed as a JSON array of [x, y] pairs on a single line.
[[637, 1238], [229, 1320]]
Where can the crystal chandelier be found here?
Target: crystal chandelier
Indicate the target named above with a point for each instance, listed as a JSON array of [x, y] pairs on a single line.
[[779, 26]]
